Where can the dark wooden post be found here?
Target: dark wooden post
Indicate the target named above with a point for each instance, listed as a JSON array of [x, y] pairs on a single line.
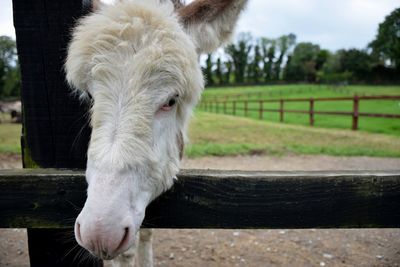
[[355, 112], [234, 107], [281, 109], [245, 108], [217, 107], [260, 110], [312, 111], [55, 128], [224, 107]]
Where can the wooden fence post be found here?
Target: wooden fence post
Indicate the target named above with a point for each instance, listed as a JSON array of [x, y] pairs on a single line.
[[245, 108], [216, 107], [281, 109], [312, 111], [355, 112], [55, 131], [234, 107], [260, 111], [224, 107]]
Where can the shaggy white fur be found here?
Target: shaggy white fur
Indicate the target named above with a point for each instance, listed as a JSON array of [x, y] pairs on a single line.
[[131, 58], [139, 64]]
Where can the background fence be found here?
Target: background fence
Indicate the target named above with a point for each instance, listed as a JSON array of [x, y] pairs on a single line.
[[276, 93], [248, 105]]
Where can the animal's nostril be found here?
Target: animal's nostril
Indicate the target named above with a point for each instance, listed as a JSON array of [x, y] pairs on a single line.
[[125, 239]]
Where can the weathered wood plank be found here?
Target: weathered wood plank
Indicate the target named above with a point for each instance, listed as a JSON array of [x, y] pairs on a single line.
[[55, 125], [217, 199]]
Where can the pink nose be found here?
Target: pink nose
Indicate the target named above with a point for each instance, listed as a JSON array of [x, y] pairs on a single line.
[[103, 243]]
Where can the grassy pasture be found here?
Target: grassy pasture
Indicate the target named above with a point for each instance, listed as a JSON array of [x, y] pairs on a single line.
[[10, 138], [221, 135], [376, 125]]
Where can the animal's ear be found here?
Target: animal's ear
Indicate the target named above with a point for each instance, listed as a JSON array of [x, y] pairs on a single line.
[[210, 22]]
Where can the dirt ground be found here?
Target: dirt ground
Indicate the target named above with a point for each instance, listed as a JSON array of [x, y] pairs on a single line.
[[309, 247]]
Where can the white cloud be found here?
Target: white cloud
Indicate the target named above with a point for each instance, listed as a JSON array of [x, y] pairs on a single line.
[[331, 24]]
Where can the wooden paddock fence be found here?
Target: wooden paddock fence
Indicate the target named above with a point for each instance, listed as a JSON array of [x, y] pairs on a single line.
[[49, 198], [232, 106], [275, 93]]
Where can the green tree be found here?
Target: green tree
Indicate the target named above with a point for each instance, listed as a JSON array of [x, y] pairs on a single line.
[[228, 72], [218, 72], [239, 55], [9, 68], [303, 63], [284, 44], [386, 45], [208, 72], [322, 57], [357, 62], [255, 65], [268, 47]]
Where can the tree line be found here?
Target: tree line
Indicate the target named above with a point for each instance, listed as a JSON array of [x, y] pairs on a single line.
[[10, 77], [264, 60]]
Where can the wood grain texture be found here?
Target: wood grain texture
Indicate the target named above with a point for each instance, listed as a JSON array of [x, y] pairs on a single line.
[[55, 129], [217, 199]]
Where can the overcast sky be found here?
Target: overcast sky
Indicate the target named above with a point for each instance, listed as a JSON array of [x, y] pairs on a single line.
[[333, 24]]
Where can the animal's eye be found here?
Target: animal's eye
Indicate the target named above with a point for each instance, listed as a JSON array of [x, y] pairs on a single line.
[[170, 104]]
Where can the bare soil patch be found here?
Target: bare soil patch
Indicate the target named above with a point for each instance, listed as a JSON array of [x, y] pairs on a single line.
[[292, 163], [309, 247]]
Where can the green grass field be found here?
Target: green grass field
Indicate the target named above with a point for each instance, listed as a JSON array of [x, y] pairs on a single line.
[[221, 135], [375, 125], [10, 138]]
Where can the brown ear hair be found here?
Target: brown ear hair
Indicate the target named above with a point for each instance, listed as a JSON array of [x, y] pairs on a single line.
[[202, 10], [210, 23]]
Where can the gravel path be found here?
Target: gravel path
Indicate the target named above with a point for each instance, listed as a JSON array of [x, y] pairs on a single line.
[[293, 163], [219, 248]]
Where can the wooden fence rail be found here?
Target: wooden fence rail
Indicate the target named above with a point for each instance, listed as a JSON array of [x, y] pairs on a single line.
[[49, 198], [212, 105], [272, 93]]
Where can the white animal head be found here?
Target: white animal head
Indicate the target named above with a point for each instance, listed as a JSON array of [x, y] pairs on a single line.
[[138, 60]]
